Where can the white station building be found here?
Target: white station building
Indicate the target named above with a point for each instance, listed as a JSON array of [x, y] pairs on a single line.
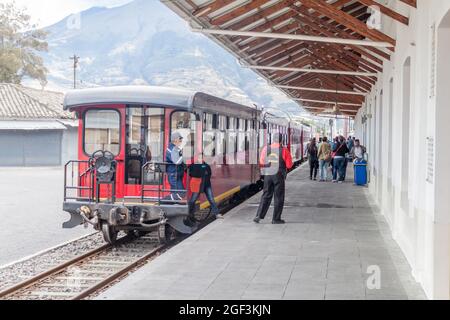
[[405, 125]]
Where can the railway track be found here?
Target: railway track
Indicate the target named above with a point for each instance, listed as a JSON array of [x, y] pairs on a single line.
[[84, 275]]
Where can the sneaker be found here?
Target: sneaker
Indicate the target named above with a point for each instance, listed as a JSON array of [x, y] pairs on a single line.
[[334, 181], [256, 220], [278, 222], [341, 182]]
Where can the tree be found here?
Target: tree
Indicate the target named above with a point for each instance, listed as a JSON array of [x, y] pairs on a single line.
[[20, 44]]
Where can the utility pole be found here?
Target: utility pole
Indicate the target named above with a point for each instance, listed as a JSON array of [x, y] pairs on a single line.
[[76, 60]]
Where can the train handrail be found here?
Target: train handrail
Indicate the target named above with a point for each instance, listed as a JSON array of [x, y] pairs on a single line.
[[160, 168], [80, 176]]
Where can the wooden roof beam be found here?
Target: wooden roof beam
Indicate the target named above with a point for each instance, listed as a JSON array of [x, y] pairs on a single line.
[[348, 20], [321, 90], [210, 8], [412, 3], [341, 72]]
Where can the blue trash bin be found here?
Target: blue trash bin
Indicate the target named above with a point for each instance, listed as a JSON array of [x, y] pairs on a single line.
[[360, 167]]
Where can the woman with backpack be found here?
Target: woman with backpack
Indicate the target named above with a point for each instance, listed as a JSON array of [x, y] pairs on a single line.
[[324, 154]]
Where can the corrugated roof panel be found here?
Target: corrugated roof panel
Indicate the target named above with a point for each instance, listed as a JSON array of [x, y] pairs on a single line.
[[18, 102], [31, 125]]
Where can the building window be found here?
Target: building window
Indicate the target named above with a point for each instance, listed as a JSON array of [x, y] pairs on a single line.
[[102, 131]]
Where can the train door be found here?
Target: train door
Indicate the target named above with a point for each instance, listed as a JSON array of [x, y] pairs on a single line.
[[144, 142], [101, 130], [187, 125]]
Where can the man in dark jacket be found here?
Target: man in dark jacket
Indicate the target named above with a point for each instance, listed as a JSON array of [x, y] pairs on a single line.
[[201, 170], [312, 153], [275, 160]]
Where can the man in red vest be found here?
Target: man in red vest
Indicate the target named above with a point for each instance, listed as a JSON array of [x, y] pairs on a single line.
[[275, 161]]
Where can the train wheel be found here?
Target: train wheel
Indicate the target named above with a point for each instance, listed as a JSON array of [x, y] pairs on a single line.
[[166, 234], [109, 233]]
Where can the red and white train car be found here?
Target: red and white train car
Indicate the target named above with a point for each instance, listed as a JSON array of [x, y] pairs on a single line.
[[119, 180]]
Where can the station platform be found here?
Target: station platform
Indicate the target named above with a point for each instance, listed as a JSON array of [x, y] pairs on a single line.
[[333, 244]]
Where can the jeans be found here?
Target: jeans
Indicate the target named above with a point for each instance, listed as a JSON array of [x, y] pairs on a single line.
[[345, 168], [209, 195], [176, 183], [338, 167], [313, 167], [324, 170]]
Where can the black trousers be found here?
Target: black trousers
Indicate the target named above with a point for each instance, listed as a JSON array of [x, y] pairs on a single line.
[[274, 186], [313, 168]]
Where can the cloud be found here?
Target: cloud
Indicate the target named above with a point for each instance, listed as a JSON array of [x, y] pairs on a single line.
[[47, 12]]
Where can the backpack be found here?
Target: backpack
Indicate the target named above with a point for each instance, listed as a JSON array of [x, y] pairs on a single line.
[[274, 161], [327, 155]]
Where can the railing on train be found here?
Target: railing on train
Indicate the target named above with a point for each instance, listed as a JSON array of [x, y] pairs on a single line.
[[77, 186], [160, 176]]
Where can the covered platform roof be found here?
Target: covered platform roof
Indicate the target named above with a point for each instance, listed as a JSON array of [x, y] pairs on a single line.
[[322, 54]]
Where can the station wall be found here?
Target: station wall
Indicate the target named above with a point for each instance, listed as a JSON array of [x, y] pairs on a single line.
[[406, 133]]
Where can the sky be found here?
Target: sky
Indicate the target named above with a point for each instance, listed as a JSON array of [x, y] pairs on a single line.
[[47, 12]]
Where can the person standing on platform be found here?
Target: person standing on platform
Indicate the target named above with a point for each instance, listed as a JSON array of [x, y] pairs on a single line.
[[312, 153], [275, 160], [333, 149], [324, 155], [175, 167], [339, 160], [358, 151]]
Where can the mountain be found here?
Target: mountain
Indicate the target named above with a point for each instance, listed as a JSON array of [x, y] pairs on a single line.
[[143, 42]]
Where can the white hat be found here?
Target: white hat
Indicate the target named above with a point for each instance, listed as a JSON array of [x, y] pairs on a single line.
[[176, 136]]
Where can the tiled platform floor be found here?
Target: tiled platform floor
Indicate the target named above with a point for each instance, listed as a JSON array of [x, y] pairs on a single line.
[[332, 236]]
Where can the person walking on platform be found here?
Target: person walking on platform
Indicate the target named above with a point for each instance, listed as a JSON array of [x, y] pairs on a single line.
[[275, 161], [339, 160], [324, 155], [175, 168], [312, 153], [200, 182]]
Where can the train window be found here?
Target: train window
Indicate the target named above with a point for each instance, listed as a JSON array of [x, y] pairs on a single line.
[[209, 149], [184, 123], [231, 141], [222, 123], [102, 131], [208, 121], [145, 141], [220, 137], [241, 124]]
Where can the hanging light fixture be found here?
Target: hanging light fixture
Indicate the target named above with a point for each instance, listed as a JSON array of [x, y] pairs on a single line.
[[336, 106]]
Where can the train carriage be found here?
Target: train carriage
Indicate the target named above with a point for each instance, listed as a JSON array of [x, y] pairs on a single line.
[[119, 181]]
